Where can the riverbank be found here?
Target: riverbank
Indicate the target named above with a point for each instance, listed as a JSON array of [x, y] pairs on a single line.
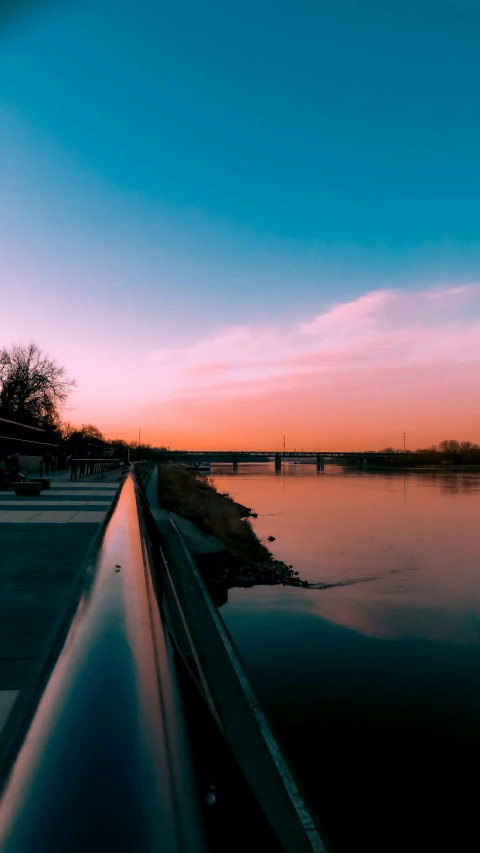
[[244, 561]]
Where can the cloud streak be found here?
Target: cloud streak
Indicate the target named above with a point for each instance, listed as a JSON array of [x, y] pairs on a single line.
[[381, 330]]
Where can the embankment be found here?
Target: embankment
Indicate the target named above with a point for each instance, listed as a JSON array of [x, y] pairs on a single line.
[[244, 560]]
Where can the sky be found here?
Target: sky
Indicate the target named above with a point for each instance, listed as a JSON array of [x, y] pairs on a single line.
[[232, 222]]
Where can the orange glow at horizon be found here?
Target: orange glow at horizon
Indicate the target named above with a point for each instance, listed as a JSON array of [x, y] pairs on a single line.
[[353, 377]]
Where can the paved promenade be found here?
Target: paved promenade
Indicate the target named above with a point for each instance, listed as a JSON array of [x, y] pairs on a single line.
[[43, 542]]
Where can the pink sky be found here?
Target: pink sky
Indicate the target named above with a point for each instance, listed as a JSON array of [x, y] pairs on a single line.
[[352, 377]]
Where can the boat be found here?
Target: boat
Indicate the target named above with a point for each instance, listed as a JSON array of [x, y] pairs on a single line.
[[197, 466]]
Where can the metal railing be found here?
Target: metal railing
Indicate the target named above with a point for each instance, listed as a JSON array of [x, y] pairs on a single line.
[[88, 467], [105, 762]]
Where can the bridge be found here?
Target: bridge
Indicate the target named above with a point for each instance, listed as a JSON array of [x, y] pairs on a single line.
[[234, 456]]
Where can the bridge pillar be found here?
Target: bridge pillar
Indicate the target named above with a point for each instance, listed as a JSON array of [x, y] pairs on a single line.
[[235, 461], [320, 462], [364, 462], [278, 462]]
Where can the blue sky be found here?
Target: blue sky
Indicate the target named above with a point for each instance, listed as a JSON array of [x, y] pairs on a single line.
[[222, 163]]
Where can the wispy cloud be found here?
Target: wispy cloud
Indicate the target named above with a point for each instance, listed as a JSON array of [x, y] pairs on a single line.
[[381, 330]]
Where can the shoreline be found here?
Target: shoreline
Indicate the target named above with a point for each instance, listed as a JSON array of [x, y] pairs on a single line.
[[243, 561]]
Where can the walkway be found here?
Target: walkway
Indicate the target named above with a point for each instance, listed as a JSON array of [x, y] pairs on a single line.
[[43, 543]]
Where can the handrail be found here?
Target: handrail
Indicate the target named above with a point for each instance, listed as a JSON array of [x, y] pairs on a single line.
[[19, 423], [28, 440], [105, 763], [88, 467]]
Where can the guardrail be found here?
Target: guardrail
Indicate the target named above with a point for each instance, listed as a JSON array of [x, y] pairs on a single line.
[[105, 763], [143, 470], [88, 467]]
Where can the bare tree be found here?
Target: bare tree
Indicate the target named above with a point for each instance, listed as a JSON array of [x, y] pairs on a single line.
[[91, 433], [449, 445], [32, 383], [67, 430], [465, 446]]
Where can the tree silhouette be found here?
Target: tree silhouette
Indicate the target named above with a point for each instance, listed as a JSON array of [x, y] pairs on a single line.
[[32, 383], [449, 446]]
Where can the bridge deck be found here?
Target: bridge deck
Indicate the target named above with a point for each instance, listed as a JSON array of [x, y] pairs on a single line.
[[265, 455]]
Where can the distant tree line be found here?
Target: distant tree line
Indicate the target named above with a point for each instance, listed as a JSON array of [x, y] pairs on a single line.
[[447, 452], [89, 440]]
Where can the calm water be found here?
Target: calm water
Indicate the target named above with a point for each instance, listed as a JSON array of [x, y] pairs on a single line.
[[374, 685]]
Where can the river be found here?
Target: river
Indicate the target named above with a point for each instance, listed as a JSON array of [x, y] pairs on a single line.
[[374, 683]]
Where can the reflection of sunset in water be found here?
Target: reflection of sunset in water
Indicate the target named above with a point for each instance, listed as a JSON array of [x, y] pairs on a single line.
[[374, 686], [412, 536]]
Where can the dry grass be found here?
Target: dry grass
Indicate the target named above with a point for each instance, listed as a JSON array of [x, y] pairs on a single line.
[[193, 497]]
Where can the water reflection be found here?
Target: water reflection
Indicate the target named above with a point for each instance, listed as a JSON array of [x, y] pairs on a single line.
[[374, 685], [399, 551]]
